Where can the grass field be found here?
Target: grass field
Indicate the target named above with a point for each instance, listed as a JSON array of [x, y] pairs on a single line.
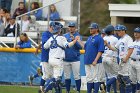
[[22, 89]]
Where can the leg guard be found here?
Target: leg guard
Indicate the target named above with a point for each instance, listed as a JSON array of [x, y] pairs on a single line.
[[58, 88], [49, 84], [78, 84]]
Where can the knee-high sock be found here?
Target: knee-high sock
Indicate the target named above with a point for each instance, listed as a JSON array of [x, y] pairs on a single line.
[[42, 82], [134, 86], [89, 87], [111, 81], [108, 86], [67, 84], [114, 86], [138, 86], [96, 87], [78, 84], [122, 89]]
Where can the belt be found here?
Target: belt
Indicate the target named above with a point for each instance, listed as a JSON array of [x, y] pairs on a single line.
[[135, 59]]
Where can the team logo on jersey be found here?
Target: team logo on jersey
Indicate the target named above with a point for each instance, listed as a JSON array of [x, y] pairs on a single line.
[[92, 39], [122, 43]]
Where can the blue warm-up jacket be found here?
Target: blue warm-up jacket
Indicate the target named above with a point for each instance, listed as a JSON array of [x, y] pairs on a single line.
[[72, 54]]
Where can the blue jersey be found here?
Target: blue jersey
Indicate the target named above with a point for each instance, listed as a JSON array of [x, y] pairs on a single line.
[[54, 16], [25, 44], [93, 45], [45, 53], [72, 54]]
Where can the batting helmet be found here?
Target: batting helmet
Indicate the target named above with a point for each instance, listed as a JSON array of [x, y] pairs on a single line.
[[137, 30]]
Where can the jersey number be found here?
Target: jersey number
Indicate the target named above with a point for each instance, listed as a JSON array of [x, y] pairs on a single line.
[[53, 44]]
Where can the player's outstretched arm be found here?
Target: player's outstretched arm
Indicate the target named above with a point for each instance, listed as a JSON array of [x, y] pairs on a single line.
[[72, 43], [79, 41]]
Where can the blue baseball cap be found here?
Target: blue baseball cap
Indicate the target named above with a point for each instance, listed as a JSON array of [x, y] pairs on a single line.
[[71, 24], [109, 28], [94, 26], [120, 27], [137, 30], [57, 27]]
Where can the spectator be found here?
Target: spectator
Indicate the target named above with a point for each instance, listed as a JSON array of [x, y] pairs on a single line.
[[3, 15], [33, 25], [25, 23], [6, 4], [10, 29], [38, 13], [20, 10], [24, 41], [3, 20], [7, 16], [54, 15]]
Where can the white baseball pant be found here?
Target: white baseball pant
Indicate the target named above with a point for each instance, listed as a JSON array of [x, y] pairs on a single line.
[[111, 66], [95, 73], [124, 68], [47, 73], [56, 66], [72, 67], [135, 71]]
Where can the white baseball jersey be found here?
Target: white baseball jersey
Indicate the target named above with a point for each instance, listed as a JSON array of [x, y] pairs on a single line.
[[123, 45], [112, 40], [136, 51], [56, 52]]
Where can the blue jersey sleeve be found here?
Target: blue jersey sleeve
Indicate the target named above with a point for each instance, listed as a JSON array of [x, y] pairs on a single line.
[[45, 37], [101, 46], [25, 44]]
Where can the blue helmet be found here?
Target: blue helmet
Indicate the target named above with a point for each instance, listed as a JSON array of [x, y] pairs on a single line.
[[103, 31], [71, 24], [94, 26], [120, 27], [137, 30], [57, 27], [109, 28]]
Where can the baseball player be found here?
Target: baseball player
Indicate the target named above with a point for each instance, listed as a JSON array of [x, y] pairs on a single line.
[[125, 47], [94, 47], [44, 56], [72, 59], [57, 45], [110, 59], [135, 62]]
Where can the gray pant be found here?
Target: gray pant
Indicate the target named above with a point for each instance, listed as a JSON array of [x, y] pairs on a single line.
[[72, 67]]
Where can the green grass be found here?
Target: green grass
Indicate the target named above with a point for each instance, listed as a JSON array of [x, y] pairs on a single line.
[[22, 89]]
